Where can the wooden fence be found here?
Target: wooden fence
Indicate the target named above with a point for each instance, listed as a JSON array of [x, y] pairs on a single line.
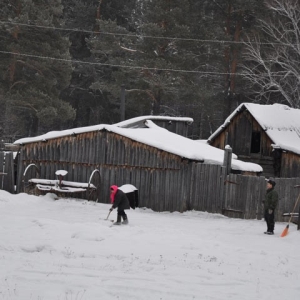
[[243, 196], [193, 186], [7, 176], [238, 196]]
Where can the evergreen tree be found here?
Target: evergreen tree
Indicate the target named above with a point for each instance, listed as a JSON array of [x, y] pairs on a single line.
[[140, 62], [168, 54], [92, 91], [184, 28], [80, 19], [112, 52], [160, 51], [162, 67], [229, 21], [31, 81]]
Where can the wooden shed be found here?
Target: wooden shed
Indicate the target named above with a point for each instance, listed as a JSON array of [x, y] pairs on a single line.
[[161, 164], [268, 135]]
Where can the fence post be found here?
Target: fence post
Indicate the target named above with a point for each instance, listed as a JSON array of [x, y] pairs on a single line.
[[9, 181], [7, 172], [298, 227], [20, 171], [226, 167], [227, 159], [2, 166]]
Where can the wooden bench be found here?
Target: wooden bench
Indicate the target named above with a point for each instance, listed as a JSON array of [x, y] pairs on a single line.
[[293, 216], [61, 187]]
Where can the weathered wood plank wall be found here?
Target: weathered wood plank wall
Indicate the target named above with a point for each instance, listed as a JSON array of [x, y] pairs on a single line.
[[204, 189], [119, 160], [160, 190], [7, 177], [290, 164], [244, 196], [166, 182]]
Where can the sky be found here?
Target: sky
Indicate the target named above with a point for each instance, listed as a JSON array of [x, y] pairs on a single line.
[[64, 249]]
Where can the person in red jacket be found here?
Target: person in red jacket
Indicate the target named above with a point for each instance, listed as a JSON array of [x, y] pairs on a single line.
[[119, 200]]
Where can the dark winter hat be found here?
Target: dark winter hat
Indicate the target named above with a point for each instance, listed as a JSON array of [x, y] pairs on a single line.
[[272, 182]]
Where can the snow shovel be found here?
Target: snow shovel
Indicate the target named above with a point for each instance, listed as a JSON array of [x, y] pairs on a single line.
[[108, 216], [286, 229]]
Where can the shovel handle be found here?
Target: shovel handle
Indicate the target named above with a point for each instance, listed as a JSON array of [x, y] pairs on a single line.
[[294, 208], [108, 215]]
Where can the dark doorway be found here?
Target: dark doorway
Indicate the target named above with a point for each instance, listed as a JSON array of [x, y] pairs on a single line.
[[255, 142]]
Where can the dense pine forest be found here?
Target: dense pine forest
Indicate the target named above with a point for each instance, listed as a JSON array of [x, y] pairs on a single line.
[[64, 63]]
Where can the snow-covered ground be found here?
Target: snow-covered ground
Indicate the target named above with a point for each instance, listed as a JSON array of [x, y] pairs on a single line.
[[65, 250]]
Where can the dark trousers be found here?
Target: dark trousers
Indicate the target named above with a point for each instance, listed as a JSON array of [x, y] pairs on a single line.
[[121, 213], [270, 220]]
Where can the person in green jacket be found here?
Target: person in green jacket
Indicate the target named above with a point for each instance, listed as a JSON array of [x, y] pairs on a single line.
[[270, 203]]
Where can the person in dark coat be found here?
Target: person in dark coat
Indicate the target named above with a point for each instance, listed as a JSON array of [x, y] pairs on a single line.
[[270, 203], [119, 200]]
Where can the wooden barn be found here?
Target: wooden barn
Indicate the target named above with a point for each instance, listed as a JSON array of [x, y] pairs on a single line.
[[268, 135], [165, 167]]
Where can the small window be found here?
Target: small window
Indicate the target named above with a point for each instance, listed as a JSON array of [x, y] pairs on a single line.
[[255, 142]]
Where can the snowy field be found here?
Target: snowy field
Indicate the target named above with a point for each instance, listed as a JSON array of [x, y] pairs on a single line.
[[65, 250]]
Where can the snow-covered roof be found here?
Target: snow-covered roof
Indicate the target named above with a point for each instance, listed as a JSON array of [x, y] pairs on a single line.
[[280, 122], [139, 121], [160, 138]]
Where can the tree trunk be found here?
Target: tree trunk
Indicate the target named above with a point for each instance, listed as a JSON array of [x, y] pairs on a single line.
[[156, 104], [231, 59]]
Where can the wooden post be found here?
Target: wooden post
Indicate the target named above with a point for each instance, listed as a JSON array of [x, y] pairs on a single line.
[[228, 157], [122, 102], [225, 171], [20, 187], [9, 182], [298, 227], [2, 145], [223, 200], [226, 139], [7, 172], [60, 176]]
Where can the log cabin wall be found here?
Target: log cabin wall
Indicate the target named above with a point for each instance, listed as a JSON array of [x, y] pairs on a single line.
[[248, 141], [290, 165]]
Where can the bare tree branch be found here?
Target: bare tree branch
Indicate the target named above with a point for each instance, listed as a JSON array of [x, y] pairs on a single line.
[[273, 68]]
